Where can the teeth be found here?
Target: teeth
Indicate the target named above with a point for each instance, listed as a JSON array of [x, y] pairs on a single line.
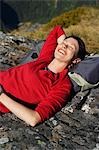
[[61, 51]]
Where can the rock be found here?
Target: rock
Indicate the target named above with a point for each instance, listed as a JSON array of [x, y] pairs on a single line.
[[4, 140], [12, 49], [65, 131]]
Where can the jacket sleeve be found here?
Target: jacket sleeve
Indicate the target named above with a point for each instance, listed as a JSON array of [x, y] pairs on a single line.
[[55, 100], [51, 43]]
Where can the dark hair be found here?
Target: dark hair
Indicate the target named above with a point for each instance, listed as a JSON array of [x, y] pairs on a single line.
[[82, 49]]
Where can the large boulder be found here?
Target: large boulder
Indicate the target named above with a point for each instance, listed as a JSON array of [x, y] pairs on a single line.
[[65, 131]]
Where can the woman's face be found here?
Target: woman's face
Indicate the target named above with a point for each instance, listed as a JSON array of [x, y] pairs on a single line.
[[67, 50]]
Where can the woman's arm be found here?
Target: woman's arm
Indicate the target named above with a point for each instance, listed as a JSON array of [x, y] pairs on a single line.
[[55, 100], [28, 115], [56, 36]]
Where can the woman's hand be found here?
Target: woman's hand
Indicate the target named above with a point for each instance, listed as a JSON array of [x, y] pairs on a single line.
[[61, 38]]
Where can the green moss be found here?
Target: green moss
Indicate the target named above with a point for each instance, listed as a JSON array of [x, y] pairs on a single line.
[[72, 17]]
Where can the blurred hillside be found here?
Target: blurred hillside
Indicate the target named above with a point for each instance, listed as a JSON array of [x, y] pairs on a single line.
[[82, 21], [13, 12]]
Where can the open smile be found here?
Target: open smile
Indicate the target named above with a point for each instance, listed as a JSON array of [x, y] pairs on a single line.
[[62, 51]]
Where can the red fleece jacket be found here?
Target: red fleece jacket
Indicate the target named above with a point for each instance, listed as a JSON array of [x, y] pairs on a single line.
[[33, 84]]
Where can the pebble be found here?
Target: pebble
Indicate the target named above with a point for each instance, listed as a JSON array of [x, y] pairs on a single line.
[[4, 140], [54, 122], [97, 145]]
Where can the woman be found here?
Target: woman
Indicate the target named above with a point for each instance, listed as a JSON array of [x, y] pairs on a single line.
[[43, 83]]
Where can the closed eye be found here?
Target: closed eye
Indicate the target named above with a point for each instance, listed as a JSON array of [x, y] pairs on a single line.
[[70, 47]]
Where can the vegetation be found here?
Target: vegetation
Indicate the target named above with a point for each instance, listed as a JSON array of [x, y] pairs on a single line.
[[39, 10], [82, 21]]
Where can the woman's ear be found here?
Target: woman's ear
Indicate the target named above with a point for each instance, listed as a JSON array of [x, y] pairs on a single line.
[[76, 60]]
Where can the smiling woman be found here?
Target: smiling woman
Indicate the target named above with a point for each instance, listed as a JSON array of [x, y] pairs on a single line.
[[46, 89], [65, 54]]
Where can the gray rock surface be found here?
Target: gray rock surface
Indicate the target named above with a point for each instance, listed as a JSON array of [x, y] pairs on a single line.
[[65, 131]]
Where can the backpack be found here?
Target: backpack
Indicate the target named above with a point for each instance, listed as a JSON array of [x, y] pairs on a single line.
[[85, 75], [32, 54]]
